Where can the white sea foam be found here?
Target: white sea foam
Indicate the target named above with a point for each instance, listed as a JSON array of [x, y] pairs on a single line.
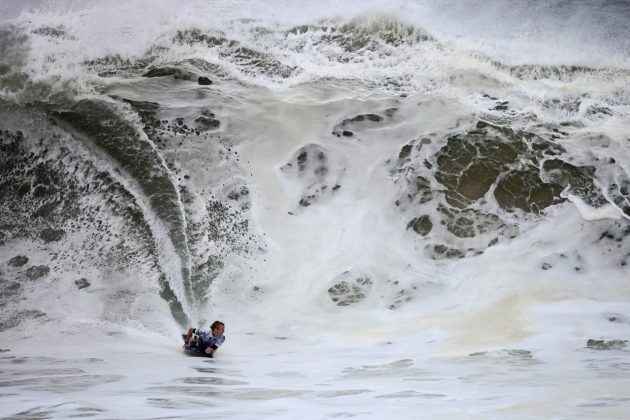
[[589, 213], [551, 35]]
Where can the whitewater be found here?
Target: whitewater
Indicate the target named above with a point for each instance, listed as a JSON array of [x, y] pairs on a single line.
[[399, 209]]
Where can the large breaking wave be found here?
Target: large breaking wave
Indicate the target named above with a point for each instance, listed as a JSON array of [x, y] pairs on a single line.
[[380, 170]]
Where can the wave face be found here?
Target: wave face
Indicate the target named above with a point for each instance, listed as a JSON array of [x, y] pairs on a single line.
[[439, 182]]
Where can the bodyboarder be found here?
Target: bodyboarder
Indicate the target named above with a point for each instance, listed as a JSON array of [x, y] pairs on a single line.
[[205, 341]]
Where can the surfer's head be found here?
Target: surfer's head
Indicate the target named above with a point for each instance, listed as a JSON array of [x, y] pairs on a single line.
[[218, 328]]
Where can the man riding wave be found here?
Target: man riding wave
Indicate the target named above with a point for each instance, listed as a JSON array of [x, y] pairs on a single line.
[[205, 341]]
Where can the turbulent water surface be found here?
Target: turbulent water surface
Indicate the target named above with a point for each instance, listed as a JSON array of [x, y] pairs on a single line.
[[399, 209]]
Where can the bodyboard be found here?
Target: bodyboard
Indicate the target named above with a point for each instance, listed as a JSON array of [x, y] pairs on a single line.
[[193, 351]]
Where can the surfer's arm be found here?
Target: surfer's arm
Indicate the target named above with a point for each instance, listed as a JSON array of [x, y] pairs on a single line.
[[217, 343]]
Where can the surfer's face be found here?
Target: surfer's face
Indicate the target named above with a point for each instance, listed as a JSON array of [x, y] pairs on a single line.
[[218, 330]]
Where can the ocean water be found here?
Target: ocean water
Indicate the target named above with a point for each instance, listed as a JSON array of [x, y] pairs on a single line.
[[399, 209]]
